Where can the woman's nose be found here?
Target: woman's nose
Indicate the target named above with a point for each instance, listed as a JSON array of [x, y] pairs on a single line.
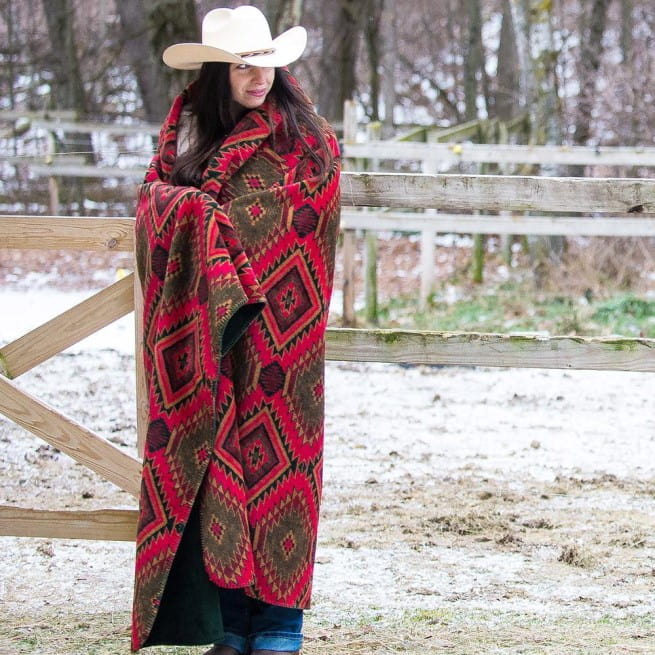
[[258, 74]]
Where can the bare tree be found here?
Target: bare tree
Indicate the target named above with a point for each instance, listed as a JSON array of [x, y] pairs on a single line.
[[537, 57], [341, 27], [589, 63], [473, 61], [283, 14], [372, 36], [68, 92], [389, 65], [10, 50], [627, 28], [506, 98], [148, 27]]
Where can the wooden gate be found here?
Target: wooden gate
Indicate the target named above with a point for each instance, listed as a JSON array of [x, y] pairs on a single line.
[[633, 197]]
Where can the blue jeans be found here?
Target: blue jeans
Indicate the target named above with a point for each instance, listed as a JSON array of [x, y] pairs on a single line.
[[251, 624]]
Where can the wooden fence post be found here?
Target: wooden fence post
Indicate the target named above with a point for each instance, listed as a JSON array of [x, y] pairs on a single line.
[[141, 386], [371, 281], [373, 133], [53, 185], [349, 236], [428, 249], [349, 250]]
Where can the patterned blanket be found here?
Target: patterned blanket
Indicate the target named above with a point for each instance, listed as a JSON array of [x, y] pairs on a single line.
[[236, 278]]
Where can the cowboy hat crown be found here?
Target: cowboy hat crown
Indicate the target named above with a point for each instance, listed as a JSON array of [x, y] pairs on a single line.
[[238, 36]]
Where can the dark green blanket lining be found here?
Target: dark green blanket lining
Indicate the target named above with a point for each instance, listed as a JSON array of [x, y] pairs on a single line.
[[189, 612]]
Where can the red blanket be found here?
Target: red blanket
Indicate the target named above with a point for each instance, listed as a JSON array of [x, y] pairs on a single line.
[[236, 277]]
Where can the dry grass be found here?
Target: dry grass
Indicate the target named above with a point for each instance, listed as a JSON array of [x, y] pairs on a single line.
[[414, 633], [583, 537]]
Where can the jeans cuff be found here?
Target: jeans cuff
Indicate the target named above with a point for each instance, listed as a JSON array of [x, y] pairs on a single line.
[[235, 641], [284, 642]]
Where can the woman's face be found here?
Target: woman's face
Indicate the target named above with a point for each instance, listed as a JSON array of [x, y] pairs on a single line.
[[250, 84]]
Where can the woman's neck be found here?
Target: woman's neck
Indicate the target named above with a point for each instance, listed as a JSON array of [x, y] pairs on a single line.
[[237, 111]]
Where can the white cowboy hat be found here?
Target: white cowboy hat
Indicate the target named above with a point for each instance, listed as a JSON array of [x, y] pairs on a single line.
[[238, 36]]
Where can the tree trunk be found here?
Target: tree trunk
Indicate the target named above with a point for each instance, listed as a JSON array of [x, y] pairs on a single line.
[[148, 28], [390, 59], [630, 80], [590, 56], [506, 101], [473, 63], [341, 21], [283, 14], [10, 50], [372, 27], [537, 58], [68, 93], [627, 29], [68, 90]]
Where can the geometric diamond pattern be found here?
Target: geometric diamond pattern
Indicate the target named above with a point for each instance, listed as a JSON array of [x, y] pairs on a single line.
[[293, 300], [236, 278], [263, 457], [178, 363]]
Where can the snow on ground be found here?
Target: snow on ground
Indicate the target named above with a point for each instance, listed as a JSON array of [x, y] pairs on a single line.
[[444, 487]]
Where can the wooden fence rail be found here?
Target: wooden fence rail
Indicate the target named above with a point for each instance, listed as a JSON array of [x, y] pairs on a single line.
[[499, 193], [380, 220], [467, 193], [451, 154]]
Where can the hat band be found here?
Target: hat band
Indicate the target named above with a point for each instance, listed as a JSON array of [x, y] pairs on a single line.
[[256, 53]]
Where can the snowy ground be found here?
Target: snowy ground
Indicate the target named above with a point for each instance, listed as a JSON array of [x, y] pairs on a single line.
[[465, 510]]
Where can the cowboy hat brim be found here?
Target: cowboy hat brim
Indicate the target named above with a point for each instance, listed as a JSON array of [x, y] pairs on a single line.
[[286, 48]]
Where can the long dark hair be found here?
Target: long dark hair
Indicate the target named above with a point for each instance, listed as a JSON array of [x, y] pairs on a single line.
[[213, 110]]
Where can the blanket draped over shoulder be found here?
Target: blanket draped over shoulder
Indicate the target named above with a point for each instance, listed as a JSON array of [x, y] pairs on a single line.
[[236, 278]]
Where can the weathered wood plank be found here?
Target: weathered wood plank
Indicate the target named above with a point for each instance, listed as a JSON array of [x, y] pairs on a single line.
[[72, 170], [503, 350], [78, 442], [68, 328], [469, 130], [498, 192], [615, 226], [349, 251], [453, 153], [494, 192], [52, 115], [103, 524], [89, 127], [67, 233], [142, 408]]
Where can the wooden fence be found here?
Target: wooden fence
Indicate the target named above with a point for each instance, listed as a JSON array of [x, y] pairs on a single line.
[[446, 192], [430, 224], [446, 155]]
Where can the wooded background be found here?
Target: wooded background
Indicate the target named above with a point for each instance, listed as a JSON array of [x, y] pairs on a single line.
[[583, 69]]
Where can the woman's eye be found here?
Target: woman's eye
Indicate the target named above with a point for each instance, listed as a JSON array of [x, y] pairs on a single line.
[[242, 67]]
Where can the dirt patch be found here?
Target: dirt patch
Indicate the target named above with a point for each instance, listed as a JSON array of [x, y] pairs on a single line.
[[465, 511], [442, 525]]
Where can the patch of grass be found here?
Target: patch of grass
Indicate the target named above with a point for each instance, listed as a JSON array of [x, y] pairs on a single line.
[[518, 308], [57, 633], [627, 314], [431, 616], [574, 555], [364, 630], [473, 631], [468, 524]]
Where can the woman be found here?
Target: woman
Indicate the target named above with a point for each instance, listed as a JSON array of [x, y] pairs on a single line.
[[236, 230]]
